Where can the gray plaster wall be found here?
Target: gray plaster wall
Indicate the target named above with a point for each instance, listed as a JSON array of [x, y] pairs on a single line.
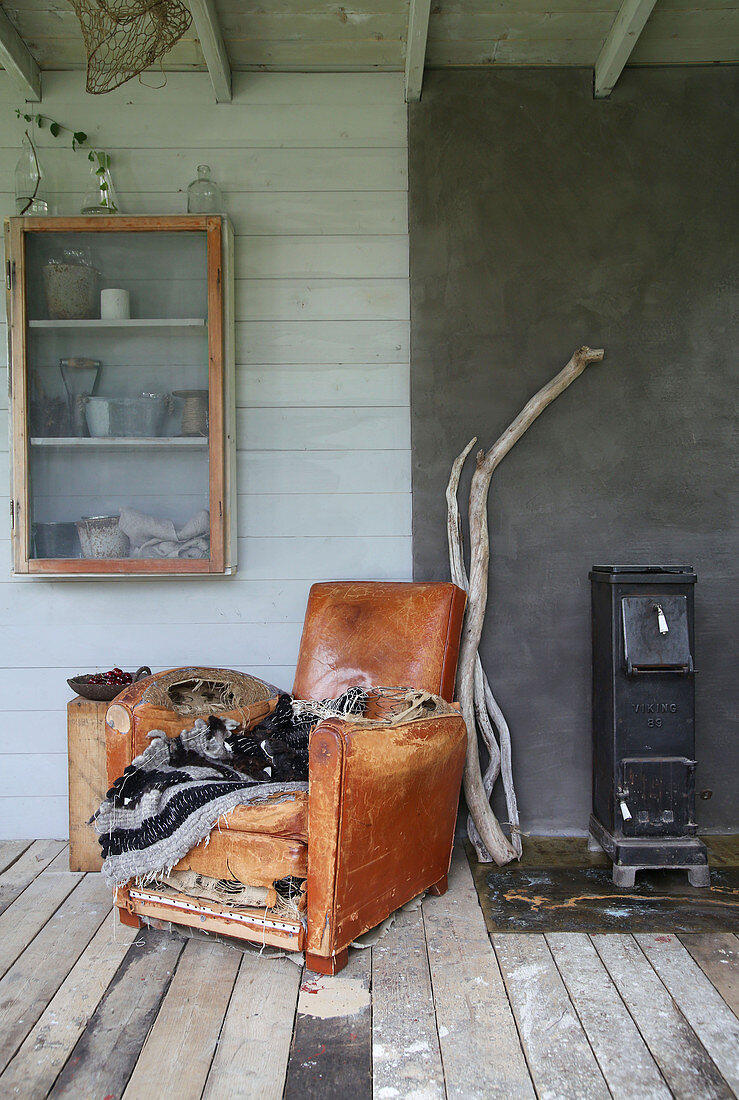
[[542, 220]]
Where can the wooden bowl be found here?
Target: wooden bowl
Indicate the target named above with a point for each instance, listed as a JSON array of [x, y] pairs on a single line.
[[103, 693]]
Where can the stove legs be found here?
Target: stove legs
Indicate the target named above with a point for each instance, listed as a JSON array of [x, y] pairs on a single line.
[[657, 853], [623, 877], [699, 876], [593, 845]]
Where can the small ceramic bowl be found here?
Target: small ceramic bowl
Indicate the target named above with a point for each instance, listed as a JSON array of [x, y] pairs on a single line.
[[103, 693]]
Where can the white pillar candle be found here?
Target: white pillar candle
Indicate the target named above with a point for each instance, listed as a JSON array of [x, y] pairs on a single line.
[[115, 305]]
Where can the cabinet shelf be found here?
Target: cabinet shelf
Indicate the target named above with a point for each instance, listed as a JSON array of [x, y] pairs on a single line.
[[122, 323], [120, 442]]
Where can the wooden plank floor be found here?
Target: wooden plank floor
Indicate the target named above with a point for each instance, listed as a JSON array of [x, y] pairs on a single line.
[[92, 1010]]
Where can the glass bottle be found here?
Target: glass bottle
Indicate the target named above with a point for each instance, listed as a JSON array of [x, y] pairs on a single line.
[[203, 195], [100, 197], [30, 192]]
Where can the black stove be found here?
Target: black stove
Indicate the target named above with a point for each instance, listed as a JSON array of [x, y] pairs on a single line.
[[644, 721]]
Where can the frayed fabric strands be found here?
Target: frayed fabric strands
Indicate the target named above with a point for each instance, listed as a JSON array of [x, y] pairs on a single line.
[[168, 800], [185, 815]]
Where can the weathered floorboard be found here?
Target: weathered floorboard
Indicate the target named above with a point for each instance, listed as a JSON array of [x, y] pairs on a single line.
[[252, 1054], [179, 1048], [106, 1053], [331, 1055], [557, 1050], [480, 1047], [405, 1044], [686, 1067], [89, 1007], [10, 851], [60, 862], [28, 914], [25, 869], [34, 978], [702, 1006], [717, 954], [35, 1067], [622, 1054]]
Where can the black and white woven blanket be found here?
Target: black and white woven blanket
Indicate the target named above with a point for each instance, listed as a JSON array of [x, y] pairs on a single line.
[[169, 798]]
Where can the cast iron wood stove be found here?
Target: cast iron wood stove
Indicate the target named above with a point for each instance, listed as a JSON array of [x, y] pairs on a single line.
[[644, 721]]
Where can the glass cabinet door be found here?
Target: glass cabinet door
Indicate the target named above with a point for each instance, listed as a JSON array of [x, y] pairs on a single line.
[[121, 449]]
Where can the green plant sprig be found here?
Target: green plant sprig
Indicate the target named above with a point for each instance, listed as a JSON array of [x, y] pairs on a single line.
[[97, 157], [79, 137]]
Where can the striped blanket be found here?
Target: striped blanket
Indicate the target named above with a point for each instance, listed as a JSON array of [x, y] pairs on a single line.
[[171, 796]]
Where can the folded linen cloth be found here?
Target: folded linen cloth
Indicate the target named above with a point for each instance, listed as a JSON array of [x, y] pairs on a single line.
[[151, 537]]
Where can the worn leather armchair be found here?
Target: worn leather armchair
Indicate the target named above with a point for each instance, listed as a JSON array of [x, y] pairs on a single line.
[[377, 824]]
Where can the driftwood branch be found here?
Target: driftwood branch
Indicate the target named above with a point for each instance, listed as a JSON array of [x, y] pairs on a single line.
[[475, 694], [488, 714]]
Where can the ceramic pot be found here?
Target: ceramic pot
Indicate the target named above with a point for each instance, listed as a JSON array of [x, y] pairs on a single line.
[[71, 291], [101, 537]]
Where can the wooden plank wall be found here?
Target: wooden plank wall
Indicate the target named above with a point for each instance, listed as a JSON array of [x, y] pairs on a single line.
[[314, 171], [371, 34]]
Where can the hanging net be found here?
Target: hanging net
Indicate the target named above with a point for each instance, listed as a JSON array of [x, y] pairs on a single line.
[[124, 37]]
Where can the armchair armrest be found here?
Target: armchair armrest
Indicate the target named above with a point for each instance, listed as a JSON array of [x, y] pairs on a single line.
[[382, 807], [130, 718]]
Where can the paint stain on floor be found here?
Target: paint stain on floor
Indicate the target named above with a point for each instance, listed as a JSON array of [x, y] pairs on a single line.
[[337, 996], [584, 899]]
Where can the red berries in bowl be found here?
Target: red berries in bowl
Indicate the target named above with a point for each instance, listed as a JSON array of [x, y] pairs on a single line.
[[113, 677], [104, 686]]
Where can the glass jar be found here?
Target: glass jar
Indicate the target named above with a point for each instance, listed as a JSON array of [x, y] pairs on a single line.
[[30, 192], [79, 376], [203, 195], [100, 197], [81, 257]]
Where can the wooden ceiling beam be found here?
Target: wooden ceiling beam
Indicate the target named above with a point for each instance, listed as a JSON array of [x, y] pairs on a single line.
[[208, 30], [415, 53], [17, 60], [620, 41]]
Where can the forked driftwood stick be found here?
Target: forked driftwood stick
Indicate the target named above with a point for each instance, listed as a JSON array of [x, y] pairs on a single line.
[[486, 834], [486, 708]]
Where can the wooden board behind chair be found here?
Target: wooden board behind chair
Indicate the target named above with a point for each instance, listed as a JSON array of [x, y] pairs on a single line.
[[87, 779]]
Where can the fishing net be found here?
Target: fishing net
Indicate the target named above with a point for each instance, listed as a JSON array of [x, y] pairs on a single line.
[[194, 691], [124, 37]]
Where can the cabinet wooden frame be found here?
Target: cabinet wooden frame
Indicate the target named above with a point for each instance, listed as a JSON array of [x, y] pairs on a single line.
[[221, 388]]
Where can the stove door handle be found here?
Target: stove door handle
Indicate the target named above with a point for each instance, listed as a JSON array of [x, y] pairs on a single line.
[[661, 619]]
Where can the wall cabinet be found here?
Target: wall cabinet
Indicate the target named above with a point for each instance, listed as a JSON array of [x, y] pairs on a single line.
[[121, 395]]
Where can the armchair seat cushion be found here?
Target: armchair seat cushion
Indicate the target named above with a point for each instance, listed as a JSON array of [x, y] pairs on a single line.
[[286, 818], [256, 844], [256, 859]]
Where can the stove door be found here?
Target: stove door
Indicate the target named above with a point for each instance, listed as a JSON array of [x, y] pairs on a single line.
[[655, 634], [658, 793]]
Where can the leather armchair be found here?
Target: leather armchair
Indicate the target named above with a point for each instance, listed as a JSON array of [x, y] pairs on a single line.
[[376, 827]]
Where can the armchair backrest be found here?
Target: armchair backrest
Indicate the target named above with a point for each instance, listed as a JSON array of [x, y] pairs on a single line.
[[379, 634]]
